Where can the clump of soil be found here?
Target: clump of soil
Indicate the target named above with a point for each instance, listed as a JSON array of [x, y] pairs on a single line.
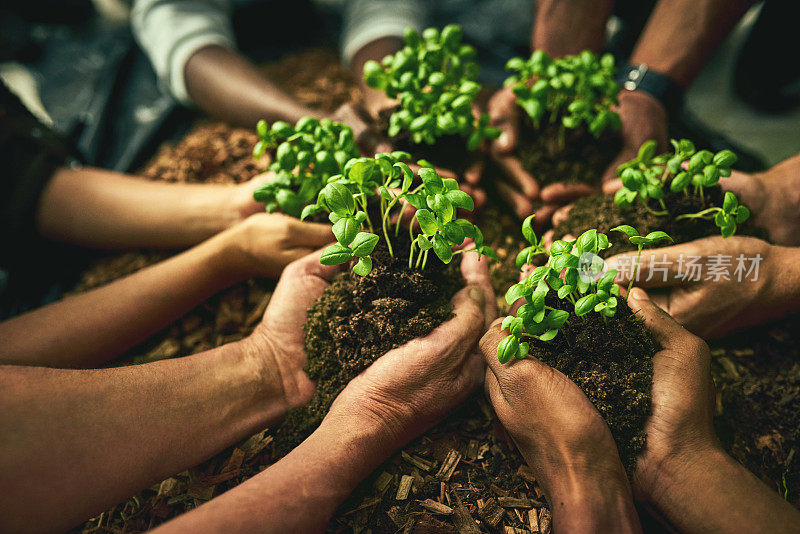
[[611, 360], [600, 211], [450, 151], [577, 157], [358, 319]]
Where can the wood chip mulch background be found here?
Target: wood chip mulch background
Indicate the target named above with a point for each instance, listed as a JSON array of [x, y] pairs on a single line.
[[464, 475]]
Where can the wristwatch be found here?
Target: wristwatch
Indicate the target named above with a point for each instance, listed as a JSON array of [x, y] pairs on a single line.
[[661, 87]]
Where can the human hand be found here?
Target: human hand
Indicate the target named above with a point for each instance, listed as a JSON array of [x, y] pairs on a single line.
[[243, 202], [367, 137], [563, 439], [264, 243], [643, 118], [277, 342], [708, 304], [773, 197], [409, 388]]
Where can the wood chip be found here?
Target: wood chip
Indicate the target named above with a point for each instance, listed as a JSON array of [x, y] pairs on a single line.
[[418, 462], [526, 473], [491, 512], [436, 507], [513, 502], [533, 520], [497, 490], [397, 517], [404, 487], [463, 521], [472, 449], [382, 482], [545, 521], [449, 465], [514, 530]]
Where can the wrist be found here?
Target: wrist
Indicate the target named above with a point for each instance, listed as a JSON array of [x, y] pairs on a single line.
[[782, 294], [593, 504], [644, 101]]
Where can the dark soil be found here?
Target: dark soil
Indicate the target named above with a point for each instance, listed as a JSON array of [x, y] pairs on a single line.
[[358, 319], [580, 158], [600, 211], [450, 151], [611, 360]]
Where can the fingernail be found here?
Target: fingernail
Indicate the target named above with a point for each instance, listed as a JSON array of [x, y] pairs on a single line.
[[637, 293], [477, 296], [503, 141]]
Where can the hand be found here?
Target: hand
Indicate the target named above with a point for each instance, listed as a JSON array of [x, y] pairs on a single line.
[[263, 244], [563, 439], [643, 118], [368, 139], [409, 388], [277, 342], [243, 201], [711, 307], [773, 197]]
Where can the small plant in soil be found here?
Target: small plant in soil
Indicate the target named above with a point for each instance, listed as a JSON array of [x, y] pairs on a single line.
[[569, 134], [433, 78], [397, 290], [570, 319], [686, 171], [306, 156]]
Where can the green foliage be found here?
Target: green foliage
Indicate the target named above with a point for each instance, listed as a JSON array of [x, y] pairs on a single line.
[[345, 198], [687, 170], [640, 241], [433, 77], [576, 89], [307, 154], [567, 274]]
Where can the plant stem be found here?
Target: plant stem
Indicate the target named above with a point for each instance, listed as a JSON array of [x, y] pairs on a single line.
[[635, 272], [654, 212]]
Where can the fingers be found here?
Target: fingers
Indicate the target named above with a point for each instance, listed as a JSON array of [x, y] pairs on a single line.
[[562, 192], [474, 173], [309, 265], [517, 176], [520, 204], [461, 332], [611, 171], [665, 329], [308, 234], [475, 271], [561, 214], [503, 115], [612, 186], [657, 268], [544, 214]]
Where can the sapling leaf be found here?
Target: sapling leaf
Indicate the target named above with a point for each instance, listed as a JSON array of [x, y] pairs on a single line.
[[507, 349], [550, 334], [423, 242], [308, 211], [585, 304], [515, 292], [431, 180], [335, 254], [364, 243], [460, 199], [454, 233], [527, 230], [730, 202], [742, 214], [524, 348], [363, 267], [427, 222], [442, 248], [655, 237], [345, 230]]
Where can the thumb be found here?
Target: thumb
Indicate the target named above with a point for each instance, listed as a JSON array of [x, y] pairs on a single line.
[[665, 329], [610, 181], [310, 235]]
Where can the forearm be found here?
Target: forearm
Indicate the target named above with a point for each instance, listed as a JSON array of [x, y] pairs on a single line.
[[681, 35], [569, 27], [299, 493], [105, 209], [227, 85], [75, 442], [711, 492], [92, 328]]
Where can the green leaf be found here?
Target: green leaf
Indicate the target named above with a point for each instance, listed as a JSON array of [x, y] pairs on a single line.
[[454, 233], [724, 158], [423, 242], [515, 292], [417, 201], [587, 242], [524, 257], [460, 199], [680, 182], [335, 254], [364, 243], [363, 267], [647, 151], [440, 205], [527, 229], [345, 230], [524, 348], [442, 248], [507, 349], [639, 240], [658, 235], [262, 128], [730, 202], [289, 202], [339, 199], [560, 247], [308, 211], [557, 318], [585, 304], [563, 291], [742, 214], [431, 180], [550, 334], [427, 222]]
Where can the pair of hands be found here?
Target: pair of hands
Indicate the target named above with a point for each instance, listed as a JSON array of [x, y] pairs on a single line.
[[643, 118], [568, 445]]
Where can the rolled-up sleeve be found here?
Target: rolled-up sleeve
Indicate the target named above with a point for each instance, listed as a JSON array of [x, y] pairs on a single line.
[[369, 20], [171, 31]]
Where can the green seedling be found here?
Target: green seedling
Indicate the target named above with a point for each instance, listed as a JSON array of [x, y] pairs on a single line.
[[345, 198], [640, 241], [433, 78], [307, 154], [686, 170], [575, 90], [570, 273]]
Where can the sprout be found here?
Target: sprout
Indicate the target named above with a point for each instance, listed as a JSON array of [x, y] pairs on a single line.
[[433, 79], [640, 241], [307, 155], [576, 90]]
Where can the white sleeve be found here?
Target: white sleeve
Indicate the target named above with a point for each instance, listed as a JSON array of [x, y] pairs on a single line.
[[369, 20], [171, 31]]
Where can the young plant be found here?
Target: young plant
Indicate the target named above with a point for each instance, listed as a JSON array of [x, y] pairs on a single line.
[[686, 170], [640, 241], [574, 90], [346, 199], [433, 79], [307, 155], [571, 271]]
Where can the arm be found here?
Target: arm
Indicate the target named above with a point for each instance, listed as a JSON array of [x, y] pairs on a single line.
[[92, 328], [563, 28], [683, 472], [105, 209], [400, 395], [119, 430]]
